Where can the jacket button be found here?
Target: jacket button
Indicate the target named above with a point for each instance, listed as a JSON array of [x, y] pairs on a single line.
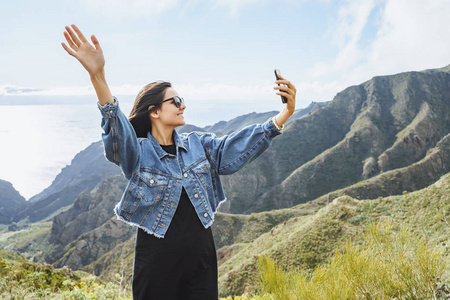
[[185, 175], [205, 215], [196, 196], [152, 181]]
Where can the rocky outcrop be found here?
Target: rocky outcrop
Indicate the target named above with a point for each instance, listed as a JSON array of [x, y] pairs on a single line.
[[90, 246], [395, 182], [85, 223]]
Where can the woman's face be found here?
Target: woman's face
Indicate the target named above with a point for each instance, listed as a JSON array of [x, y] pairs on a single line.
[[169, 114]]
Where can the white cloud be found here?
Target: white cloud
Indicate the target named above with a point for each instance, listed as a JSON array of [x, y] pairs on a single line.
[[121, 9], [236, 5], [15, 90], [413, 36], [346, 32], [410, 35], [204, 91], [218, 91]]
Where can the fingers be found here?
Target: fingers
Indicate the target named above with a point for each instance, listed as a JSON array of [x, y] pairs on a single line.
[[80, 35], [285, 89], [286, 82], [290, 97], [288, 90], [95, 42], [75, 39], [69, 41], [68, 50]]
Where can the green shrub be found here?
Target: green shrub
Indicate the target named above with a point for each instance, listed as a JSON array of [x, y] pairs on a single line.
[[391, 264], [21, 279]]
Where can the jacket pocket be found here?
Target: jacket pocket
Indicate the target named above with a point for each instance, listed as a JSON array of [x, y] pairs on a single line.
[[144, 192], [151, 186], [202, 172]]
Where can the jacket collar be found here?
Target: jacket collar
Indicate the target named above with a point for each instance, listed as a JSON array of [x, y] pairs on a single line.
[[159, 150]]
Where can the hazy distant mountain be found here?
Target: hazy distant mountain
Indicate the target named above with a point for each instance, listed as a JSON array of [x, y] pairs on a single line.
[[222, 128], [227, 127], [10, 202]]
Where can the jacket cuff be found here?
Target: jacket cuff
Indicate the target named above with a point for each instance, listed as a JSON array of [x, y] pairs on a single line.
[[109, 110], [270, 130]]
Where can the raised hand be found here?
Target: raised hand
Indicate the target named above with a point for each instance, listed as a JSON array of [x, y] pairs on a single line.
[[91, 58], [289, 91]]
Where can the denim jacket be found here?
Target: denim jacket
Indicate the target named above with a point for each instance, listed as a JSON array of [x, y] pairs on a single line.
[[156, 177]]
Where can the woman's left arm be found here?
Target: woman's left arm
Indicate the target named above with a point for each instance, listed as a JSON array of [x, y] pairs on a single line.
[[232, 152]]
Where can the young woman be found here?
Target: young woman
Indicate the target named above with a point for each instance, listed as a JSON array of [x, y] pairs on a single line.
[[174, 187]]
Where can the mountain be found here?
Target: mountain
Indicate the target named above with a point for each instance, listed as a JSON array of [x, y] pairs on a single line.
[[387, 123], [86, 170], [222, 128], [84, 232], [227, 127], [10, 202]]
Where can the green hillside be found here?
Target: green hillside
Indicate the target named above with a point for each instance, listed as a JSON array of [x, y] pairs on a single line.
[[306, 241]]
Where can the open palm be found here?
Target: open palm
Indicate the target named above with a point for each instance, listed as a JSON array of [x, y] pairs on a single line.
[[91, 58]]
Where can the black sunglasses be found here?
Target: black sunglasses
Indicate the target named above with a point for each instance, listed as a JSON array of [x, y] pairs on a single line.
[[176, 100]]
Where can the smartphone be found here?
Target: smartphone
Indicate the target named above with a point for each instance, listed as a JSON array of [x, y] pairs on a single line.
[[283, 98]]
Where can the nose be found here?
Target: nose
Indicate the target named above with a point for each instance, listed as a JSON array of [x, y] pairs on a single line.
[[183, 106]]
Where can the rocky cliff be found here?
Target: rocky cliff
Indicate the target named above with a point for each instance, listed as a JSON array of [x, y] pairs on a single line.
[[10, 202], [89, 228]]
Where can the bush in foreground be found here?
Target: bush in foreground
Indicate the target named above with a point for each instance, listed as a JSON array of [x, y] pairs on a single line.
[[21, 279], [392, 264]]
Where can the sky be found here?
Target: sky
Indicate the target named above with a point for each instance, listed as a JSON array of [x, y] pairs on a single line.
[[218, 54], [219, 50]]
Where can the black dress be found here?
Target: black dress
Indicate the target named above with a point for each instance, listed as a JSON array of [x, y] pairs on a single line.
[[183, 264]]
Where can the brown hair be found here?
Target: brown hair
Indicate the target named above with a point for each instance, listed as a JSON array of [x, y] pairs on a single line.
[[149, 99]]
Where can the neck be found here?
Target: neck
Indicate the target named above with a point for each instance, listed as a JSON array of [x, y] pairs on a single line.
[[162, 134]]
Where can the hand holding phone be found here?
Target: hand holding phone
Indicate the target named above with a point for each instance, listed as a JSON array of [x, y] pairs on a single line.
[[283, 98]]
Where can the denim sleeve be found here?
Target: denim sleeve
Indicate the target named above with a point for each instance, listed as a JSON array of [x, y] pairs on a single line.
[[119, 138], [232, 152]]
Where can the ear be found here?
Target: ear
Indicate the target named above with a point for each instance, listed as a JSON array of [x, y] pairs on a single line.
[[154, 114]]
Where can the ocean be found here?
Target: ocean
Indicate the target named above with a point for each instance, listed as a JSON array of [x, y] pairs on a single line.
[[37, 141]]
